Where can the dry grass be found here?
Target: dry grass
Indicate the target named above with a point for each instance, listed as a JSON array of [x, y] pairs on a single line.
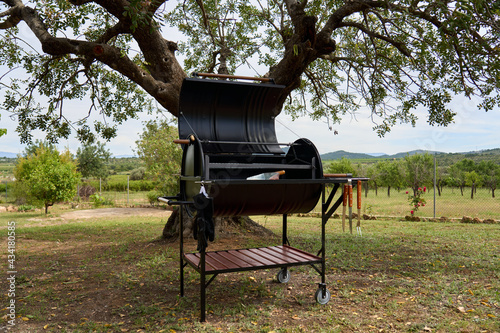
[[112, 275]]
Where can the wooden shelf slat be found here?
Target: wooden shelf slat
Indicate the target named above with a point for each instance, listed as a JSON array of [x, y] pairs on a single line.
[[250, 259]]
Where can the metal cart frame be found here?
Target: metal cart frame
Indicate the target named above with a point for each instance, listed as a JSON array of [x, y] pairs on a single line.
[[283, 256]]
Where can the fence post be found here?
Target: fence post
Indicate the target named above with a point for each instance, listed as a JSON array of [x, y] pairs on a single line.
[[99, 185], [434, 185], [128, 188]]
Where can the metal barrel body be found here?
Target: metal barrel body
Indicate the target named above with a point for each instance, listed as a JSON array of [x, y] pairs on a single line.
[[232, 142], [217, 110], [264, 199], [235, 195]]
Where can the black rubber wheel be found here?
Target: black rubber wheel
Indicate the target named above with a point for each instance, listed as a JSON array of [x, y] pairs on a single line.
[[320, 298], [283, 276]]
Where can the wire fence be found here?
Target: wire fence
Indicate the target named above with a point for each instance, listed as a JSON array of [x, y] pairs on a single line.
[[451, 203]]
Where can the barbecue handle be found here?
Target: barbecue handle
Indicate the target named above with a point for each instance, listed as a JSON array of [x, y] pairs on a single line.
[[224, 76], [182, 141], [337, 175]]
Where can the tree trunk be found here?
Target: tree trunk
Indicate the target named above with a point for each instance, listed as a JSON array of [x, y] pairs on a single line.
[[222, 226], [47, 205], [472, 191], [493, 192], [389, 191]]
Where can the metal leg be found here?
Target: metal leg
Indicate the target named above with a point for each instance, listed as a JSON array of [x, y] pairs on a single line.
[[322, 295], [181, 245], [285, 230], [202, 286], [324, 219]]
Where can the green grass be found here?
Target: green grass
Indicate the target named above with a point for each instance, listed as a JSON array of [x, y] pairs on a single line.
[[450, 204], [112, 275]]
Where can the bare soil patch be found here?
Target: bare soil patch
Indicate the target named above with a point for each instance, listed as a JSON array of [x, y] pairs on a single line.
[[106, 212]]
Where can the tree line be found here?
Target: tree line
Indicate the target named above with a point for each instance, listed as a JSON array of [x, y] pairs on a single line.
[[45, 176], [417, 171]]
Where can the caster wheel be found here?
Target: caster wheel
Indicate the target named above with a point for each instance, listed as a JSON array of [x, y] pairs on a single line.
[[283, 276], [320, 298]]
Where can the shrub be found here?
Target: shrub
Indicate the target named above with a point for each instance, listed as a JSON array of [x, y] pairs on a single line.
[[99, 200], [153, 197], [138, 174], [26, 208], [86, 191]]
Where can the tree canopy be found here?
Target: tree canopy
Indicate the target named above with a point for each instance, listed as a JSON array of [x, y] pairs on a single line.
[[161, 156], [335, 57], [45, 176], [92, 160]]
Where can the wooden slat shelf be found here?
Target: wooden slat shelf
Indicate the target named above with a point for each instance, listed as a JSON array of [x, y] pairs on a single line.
[[251, 259]]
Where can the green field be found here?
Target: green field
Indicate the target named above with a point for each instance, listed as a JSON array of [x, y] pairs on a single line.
[[451, 204], [113, 275]]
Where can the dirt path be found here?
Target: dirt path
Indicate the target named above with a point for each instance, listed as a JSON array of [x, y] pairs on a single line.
[[106, 212]]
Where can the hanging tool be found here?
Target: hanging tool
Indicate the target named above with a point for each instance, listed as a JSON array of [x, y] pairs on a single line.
[[358, 226], [344, 205], [349, 185]]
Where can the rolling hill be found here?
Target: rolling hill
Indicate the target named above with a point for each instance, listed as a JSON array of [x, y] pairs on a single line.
[[443, 158]]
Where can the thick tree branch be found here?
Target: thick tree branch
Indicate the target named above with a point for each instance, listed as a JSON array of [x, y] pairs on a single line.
[[121, 27], [346, 10], [13, 17], [161, 81]]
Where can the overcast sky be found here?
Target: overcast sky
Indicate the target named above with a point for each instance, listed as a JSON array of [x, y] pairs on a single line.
[[472, 130]]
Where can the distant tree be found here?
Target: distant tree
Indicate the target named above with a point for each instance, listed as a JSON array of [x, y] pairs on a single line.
[[440, 178], [124, 164], [92, 160], [458, 170], [390, 173], [138, 174], [419, 169], [473, 180], [33, 147], [491, 174], [341, 166], [373, 173], [161, 156], [46, 176]]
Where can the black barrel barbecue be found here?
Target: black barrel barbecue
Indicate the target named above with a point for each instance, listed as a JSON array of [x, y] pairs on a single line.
[[233, 165]]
